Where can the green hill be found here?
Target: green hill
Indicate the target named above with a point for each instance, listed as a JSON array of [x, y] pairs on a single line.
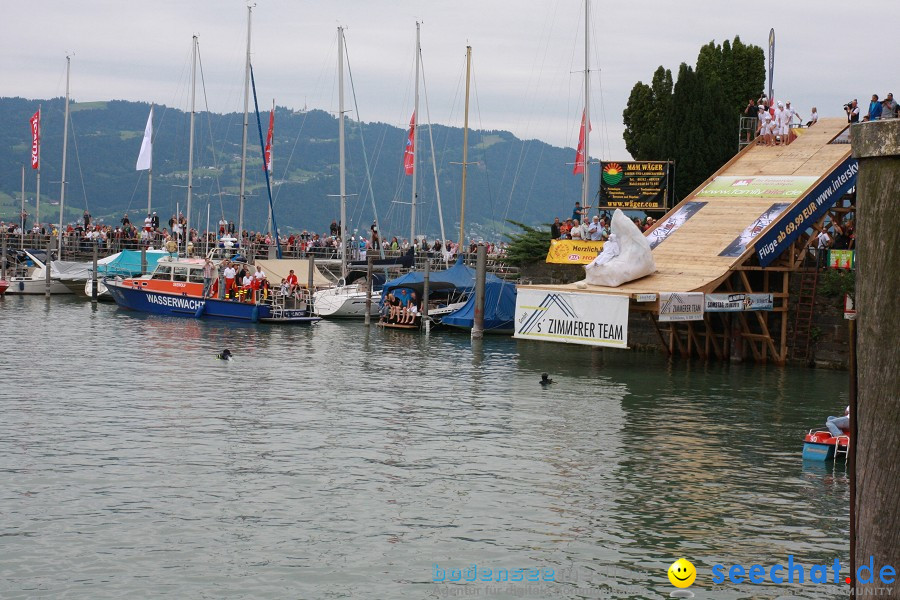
[[527, 181]]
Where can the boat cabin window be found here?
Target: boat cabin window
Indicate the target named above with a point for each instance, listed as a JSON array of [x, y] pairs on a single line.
[[180, 274], [196, 275], [163, 273]]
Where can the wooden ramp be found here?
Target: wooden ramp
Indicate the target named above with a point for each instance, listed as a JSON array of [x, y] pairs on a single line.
[[689, 258]]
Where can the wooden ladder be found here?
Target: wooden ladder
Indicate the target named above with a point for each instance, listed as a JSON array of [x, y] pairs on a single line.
[[803, 315]]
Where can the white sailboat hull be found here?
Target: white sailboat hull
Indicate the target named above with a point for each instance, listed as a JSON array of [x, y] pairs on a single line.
[[35, 286], [343, 303]]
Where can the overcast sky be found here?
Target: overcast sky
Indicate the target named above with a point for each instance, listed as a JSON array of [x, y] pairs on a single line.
[[527, 54]]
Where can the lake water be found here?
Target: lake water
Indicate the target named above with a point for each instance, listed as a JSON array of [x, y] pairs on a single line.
[[332, 461]]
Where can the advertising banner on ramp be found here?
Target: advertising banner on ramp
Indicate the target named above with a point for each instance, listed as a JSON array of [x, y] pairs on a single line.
[[681, 306], [738, 302], [789, 187], [572, 317], [801, 217]]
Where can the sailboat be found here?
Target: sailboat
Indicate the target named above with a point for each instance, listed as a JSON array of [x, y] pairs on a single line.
[[348, 299], [451, 288]]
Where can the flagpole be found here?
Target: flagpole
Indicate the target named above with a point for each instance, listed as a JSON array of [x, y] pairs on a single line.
[[244, 138], [62, 190], [586, 127], [415, 148]]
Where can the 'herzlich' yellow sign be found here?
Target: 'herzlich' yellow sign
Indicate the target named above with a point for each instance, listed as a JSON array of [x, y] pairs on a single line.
[[573, 252]]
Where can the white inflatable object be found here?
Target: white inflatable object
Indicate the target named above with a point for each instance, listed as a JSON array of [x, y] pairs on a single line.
[[625, 257]]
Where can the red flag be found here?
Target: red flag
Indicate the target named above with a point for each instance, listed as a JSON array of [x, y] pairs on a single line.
[[579, 155], [36, 140], [409, 155], [268, 165]]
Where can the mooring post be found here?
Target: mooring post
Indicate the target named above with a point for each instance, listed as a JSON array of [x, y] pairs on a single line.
[[875, 408], [426, 293], [312, 270], [3, 263], [369, 264], [94, 273], [143, 259], [50, 244], [480, 275]]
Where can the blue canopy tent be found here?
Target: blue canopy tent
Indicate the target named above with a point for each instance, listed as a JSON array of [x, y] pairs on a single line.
[[499, 308], [458, 276]]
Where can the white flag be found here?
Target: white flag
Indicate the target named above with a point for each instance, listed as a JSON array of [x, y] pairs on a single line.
[[145, 158]]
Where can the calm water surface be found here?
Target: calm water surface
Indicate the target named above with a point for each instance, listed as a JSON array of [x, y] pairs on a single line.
[[335, 462]]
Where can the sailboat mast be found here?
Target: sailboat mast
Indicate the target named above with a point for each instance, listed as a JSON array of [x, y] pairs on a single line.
[[415, 132], [271, 166], [586, 172], [22, 215], [191, 144], [150, 170], [244, 135], [343, 178], [62, 184], [465, 160]]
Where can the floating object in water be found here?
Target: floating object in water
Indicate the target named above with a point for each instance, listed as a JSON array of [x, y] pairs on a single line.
[[224, 355], [545, 380]]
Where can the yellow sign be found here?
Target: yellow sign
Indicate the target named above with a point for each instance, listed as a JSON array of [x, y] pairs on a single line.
[[573, 252]]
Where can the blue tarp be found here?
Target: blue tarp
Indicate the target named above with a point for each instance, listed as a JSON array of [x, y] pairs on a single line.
[[499, 307], [129, 263], [459, 276]]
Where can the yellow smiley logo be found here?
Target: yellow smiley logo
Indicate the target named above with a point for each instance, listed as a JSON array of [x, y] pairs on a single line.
[[682, 573]]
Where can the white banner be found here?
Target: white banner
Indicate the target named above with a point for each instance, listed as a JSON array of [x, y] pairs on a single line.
[[681, 306], [738, 302], [572, 317]]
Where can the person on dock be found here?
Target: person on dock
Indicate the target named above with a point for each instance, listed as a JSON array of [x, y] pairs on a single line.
[[292, 282], [839, 425]]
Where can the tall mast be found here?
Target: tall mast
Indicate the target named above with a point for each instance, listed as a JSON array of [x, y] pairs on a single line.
[[415, 132], [37, 209], [244, 136], [343, 233], [62, 184], [191, 144], [22, 215], [150, 170], [462, 202], [586, 173], [271, 166]]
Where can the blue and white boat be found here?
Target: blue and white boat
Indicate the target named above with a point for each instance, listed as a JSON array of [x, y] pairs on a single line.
[[135, 297]]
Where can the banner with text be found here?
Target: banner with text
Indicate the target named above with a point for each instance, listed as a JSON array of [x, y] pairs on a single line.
[[659, 233], [789, 187], [740, 243], [738, 302], [634, 185], [802, 216], [573, 252], [572, 317], [680, 306]]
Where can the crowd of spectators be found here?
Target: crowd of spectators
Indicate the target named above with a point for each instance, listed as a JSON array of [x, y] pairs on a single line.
[[596, 229]]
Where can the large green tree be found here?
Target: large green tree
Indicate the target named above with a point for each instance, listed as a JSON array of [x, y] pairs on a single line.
[[694, 121]]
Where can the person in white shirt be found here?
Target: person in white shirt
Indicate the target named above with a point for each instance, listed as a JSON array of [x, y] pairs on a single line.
[[781, 124], [813, 117], [791, 114], [595, 230], [229, 274], [577, 233], [260, 274]]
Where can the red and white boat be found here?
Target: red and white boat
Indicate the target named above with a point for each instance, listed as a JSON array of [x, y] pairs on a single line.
[[820, 444]]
